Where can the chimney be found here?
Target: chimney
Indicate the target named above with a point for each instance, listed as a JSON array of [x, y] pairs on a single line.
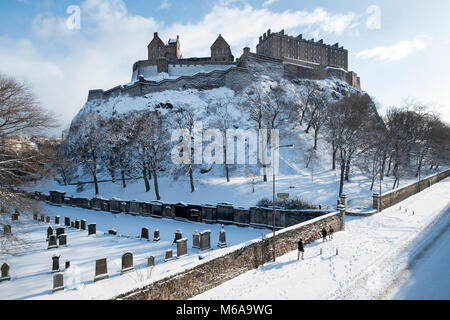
[[264, 36], [268, 32], [300, 36], [155, 34], [260, 39], [336, 44], [282, 32], [320, 41], [246, 50]]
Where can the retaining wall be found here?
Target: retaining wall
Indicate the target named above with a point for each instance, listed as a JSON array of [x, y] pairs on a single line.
[[393, 197]]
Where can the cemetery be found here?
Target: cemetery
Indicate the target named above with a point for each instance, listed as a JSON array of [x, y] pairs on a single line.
[[83, 253]]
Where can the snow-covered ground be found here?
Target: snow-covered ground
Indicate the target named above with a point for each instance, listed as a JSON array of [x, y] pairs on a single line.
[[428, 272], [31, 270], [373, 261]]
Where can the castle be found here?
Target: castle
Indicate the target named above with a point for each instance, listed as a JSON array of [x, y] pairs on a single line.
[[281, 55], [167, 58]]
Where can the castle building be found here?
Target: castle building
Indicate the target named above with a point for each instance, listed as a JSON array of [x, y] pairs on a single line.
[[221, 51], [157, 48], [167, 59], [280, 45]]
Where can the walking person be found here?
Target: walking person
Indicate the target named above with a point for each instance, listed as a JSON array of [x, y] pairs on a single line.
[[324, 234], [301, 249], [330, 233]]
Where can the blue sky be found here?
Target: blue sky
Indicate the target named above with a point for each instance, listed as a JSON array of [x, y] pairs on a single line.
[[402, 55]]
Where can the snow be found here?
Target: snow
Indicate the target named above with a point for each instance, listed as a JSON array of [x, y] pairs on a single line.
[[372, 252], [176, 70], [31, 276]]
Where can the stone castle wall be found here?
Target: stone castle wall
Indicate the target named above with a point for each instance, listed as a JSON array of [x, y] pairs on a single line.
[[235, 78]]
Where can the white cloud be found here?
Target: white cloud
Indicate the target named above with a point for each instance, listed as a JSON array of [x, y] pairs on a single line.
[[164, 5], [101, 53], [269, 2], [394, 52]]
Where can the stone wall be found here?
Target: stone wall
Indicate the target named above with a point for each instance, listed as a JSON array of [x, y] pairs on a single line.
[[235, 78], [393, 197], [210, 274], [224, 213]]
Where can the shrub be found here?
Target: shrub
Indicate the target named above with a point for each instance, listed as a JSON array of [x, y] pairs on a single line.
[[291, 203]]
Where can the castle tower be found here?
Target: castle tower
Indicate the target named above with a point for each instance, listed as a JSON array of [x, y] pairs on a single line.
[[220, 50], [155, 47], [172, 49]]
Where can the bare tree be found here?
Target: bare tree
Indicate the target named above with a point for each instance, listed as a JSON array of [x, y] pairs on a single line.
[[21, 161], [351, 122], [151, 140], [86, 140]]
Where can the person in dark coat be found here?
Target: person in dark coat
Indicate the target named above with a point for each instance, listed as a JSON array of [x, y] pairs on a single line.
[[330, 233], [301, 249], [324, 234]]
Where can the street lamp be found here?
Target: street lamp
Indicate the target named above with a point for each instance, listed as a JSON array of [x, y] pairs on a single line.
[[290, 146]]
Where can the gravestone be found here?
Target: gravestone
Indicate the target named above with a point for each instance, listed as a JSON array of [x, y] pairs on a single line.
[[49, 232], [14, 217], [60, 231], [222, 239], [182, 247], [3, 210], [112, 232], [83, 224], [178, 235], [57, 219], [47, 219], [62, 239], [7, 229], [101, 270], [114, 205], [156, 235], [196, 240], [92, 229], [67, 221], [205, 240], [77, 224], [72, 224], [67, 265], [169, 255], [42, 218], [5, 272], [127, 262], [151, 261], [55, 264], [35, 216], [195, 215], [52, 242], [58, 282], [144, 233]]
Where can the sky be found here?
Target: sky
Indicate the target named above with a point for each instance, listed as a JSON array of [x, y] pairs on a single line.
[[64, 48]]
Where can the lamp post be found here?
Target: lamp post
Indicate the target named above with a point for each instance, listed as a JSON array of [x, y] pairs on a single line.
[[290, 146]]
